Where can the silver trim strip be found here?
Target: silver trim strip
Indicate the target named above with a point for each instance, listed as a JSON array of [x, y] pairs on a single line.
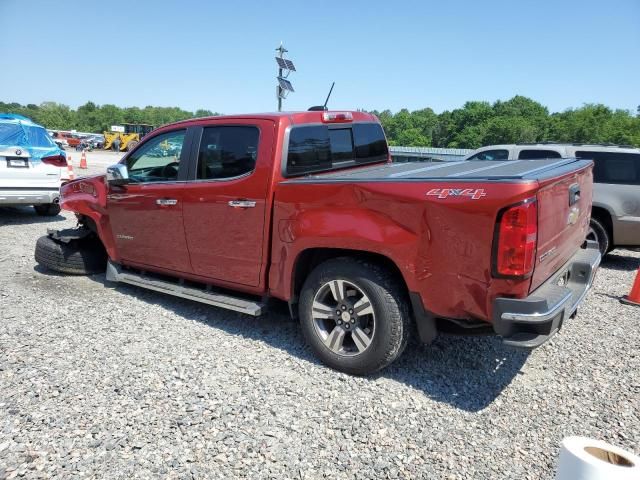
[[115, 274], [540, 317], [424, 169], [482, 169]]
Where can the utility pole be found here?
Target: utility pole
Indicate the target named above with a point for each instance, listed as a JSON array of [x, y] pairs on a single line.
[[285, 67], [281, 51]]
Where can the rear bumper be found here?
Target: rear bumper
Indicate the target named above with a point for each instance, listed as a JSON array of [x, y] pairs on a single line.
[[29, 197], [531, 321]]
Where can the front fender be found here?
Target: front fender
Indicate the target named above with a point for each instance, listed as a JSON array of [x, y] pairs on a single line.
[[88, 196]]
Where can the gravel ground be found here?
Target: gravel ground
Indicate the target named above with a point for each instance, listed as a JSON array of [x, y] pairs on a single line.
[[103, 382]]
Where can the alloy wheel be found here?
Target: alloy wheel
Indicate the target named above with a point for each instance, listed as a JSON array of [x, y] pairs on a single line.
[[343, 317]]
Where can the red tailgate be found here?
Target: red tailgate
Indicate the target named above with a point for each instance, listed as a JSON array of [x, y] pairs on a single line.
[[564, 208]]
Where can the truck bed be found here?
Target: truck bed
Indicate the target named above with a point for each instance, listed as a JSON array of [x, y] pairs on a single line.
[[513, 170]]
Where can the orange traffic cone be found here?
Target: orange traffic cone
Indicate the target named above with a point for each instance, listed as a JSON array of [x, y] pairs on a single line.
[[83, 161], [70, 172], [634, 297]]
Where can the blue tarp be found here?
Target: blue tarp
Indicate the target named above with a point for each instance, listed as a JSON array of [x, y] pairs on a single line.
[[19, 131]]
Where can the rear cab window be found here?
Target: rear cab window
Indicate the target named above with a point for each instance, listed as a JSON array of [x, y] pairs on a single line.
[[321, 148], [614, 167]]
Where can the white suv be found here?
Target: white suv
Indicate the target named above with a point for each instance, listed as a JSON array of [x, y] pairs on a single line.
[[30, 165], [615, 216]]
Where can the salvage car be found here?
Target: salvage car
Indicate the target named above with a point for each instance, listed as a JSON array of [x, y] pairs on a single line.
[[307, 208], [30, 165], [615, 215]]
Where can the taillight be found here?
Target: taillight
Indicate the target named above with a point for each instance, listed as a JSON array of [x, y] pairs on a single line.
[[55, 160], [517, 237], [337, 117]]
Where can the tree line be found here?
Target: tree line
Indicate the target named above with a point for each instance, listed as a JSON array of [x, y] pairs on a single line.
[[98, 118], [517, 120], [476, 124]]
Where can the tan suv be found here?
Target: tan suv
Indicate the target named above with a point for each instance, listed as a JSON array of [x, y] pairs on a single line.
[[615, 216]]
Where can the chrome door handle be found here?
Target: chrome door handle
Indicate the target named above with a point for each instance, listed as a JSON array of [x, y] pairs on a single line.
[[242, 203], [166, 201]]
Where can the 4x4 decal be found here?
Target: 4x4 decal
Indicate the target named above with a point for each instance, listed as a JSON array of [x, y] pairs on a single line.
[[473, 193]]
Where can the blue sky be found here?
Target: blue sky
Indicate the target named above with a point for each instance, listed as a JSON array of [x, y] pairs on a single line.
[[218, 55]]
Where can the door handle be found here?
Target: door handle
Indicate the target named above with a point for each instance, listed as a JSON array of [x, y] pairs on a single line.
[[166, 201], [242, 203]]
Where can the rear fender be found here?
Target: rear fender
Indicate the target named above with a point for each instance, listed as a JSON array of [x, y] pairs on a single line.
[[360, 230]]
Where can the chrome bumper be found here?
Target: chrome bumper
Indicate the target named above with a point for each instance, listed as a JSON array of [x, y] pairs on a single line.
[[531, 321]]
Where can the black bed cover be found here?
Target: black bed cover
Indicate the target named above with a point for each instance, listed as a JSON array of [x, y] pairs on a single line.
[[479, 170]]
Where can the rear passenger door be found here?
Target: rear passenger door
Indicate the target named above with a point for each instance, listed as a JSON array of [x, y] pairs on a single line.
[[225, 200], [616, 177]]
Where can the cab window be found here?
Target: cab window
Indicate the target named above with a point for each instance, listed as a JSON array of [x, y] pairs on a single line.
[[538, 154], [227, 152], [489, 155], [157, 160], [614, 167]]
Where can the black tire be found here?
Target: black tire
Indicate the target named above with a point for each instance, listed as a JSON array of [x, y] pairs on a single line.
[[78, 257], [391, 329], [131, 145], [47, 210], [599, 233]]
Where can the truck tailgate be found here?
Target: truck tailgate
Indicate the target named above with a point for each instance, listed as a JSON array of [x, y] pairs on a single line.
[[564, 209]]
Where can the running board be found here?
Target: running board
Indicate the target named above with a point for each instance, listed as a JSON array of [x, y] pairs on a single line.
[[149, 281]]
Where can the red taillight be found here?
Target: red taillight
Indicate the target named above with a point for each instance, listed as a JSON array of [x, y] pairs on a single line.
[[337, 117], [55, 160], [517, 232]]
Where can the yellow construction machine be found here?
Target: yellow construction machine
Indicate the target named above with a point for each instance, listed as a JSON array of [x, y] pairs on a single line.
[[129, 135]]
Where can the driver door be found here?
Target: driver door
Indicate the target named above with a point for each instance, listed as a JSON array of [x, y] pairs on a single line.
[[146, 214]]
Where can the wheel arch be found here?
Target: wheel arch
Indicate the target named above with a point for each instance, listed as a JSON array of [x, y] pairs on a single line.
[[605, 217], [310, 258]]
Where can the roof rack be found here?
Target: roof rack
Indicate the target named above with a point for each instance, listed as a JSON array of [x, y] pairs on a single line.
[[578, 144]]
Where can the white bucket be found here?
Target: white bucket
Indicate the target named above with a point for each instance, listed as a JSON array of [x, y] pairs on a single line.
[[586, 459]]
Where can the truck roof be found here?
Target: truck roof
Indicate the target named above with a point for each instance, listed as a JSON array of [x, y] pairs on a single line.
[[603, 147], [294, 117]]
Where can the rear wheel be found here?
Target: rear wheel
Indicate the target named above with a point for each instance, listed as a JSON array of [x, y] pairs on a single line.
[[47, 210], [598, 233], [354, 315], [78, 257], [131, 145]]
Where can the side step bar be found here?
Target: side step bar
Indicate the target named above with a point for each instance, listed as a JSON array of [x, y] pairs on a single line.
[[249, 307]]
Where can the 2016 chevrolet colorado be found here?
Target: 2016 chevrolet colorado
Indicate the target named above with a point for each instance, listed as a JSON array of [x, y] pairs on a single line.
[[306, 208]]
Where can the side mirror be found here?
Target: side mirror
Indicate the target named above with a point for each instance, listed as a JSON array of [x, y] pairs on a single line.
[[117, 174]]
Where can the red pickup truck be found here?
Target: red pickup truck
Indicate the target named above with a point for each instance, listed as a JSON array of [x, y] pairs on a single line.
[[307, 208]]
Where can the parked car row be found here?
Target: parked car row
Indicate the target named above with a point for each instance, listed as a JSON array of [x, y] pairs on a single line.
[[80, 141], [615, 215]]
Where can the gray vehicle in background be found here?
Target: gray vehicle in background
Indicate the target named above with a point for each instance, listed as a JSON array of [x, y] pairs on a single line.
[[615, 216]]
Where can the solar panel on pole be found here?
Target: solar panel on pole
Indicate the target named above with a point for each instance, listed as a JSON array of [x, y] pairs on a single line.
[[281, 62], [285, 84], [289, 65]]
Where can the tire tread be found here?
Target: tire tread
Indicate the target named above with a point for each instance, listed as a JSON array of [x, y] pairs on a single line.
[[77, 258], [395, 307]]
